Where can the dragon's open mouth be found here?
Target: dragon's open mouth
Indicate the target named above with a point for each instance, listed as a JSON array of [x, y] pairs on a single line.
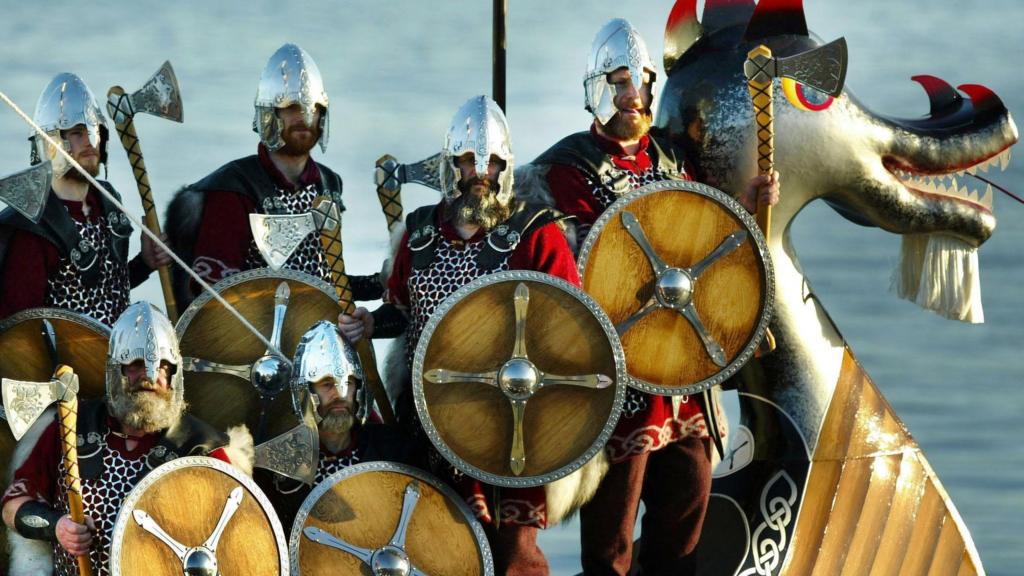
[[957, 185]]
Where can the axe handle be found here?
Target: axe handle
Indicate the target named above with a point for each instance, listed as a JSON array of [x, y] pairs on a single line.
[[330, 239], [761, 96], [67, 411], [130, 141], [390, 198]]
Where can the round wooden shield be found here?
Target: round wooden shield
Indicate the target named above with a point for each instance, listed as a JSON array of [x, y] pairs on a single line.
[[218, 351], [683, 271], [81, 343], [191, 504], [468, 375], [369, 506]]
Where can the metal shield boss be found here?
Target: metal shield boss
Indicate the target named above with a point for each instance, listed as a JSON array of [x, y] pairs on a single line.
[[197, 515], [518, 378], [232, 377], [683, 272], [387, 518]]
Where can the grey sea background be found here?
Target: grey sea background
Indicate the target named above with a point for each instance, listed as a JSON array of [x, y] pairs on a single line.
[[397, 70]]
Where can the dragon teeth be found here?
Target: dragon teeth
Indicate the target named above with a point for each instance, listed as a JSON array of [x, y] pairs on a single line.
[[986, 200]]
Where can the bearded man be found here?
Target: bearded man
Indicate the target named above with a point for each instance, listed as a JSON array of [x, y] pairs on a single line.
[[76, 256], [139, 425], [327, 368], [477, 228], [660, 451], [208, 222]]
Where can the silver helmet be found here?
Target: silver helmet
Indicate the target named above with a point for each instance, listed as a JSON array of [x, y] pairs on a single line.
[[323, 352], [65, 103], [479, 127], [290, 77], [617, 45], [143, 333]]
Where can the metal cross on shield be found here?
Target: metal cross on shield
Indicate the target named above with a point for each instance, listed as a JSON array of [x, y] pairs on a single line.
[[684, 273], [387, 518], [234, 379], [224, 525], [507, 341]]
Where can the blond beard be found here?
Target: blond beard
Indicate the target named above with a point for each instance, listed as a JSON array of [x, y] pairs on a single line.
[[621, 129], [146, 411]]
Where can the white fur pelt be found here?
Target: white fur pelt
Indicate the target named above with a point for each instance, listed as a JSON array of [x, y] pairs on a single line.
[[940, 273], [28, 557], [396, 369], [240, 448], [565, 496]]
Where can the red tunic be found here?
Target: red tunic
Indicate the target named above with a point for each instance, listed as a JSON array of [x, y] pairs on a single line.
[[421, 291], [224, 244], [35, 275], [41, 477], [648, 422]]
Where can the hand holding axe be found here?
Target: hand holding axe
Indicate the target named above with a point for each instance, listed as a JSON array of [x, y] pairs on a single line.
[[24, 402], [822, 68], [160, 97]]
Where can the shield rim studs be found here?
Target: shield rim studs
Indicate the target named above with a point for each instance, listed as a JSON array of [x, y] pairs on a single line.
[[418, 376], [754, 236]]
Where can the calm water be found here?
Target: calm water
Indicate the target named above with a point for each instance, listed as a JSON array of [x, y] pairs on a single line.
[[397, 70]]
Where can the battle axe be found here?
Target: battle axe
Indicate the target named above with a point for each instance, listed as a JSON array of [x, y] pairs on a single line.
[[330, 238], [24, 402], [389, 176], [159, 96], [822, 68]]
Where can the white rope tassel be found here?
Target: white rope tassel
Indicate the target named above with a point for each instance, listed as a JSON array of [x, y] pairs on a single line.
[[940, 273]]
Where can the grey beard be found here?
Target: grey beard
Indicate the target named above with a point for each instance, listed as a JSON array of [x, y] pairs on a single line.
[[337, 422], [485, 211], [144, 410]]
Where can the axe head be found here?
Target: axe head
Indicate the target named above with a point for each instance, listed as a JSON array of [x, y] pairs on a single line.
[[24, 401], [822, 68], [159, 96], [278, 235], [26, 191], [293, 454], [391, 174]]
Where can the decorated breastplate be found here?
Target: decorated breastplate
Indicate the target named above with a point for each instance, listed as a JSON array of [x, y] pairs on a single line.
[[101, 500], [309, 256], [451, 268], [68, 289]]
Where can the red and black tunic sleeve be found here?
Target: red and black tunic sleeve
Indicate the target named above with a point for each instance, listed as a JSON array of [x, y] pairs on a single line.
[[30, 262], [37, 476], [390, 320], [222, 243], [546, 250]]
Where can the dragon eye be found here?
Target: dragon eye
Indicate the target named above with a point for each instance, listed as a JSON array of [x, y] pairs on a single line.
[[804, 97]]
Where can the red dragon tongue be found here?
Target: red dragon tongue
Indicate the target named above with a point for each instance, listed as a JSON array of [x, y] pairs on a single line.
[[776, 18]]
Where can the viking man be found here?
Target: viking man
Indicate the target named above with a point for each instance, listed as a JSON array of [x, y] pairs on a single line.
[[76, 256], [660, 450], [138, 425], [208, 222], [476, 229], [327, 367]]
